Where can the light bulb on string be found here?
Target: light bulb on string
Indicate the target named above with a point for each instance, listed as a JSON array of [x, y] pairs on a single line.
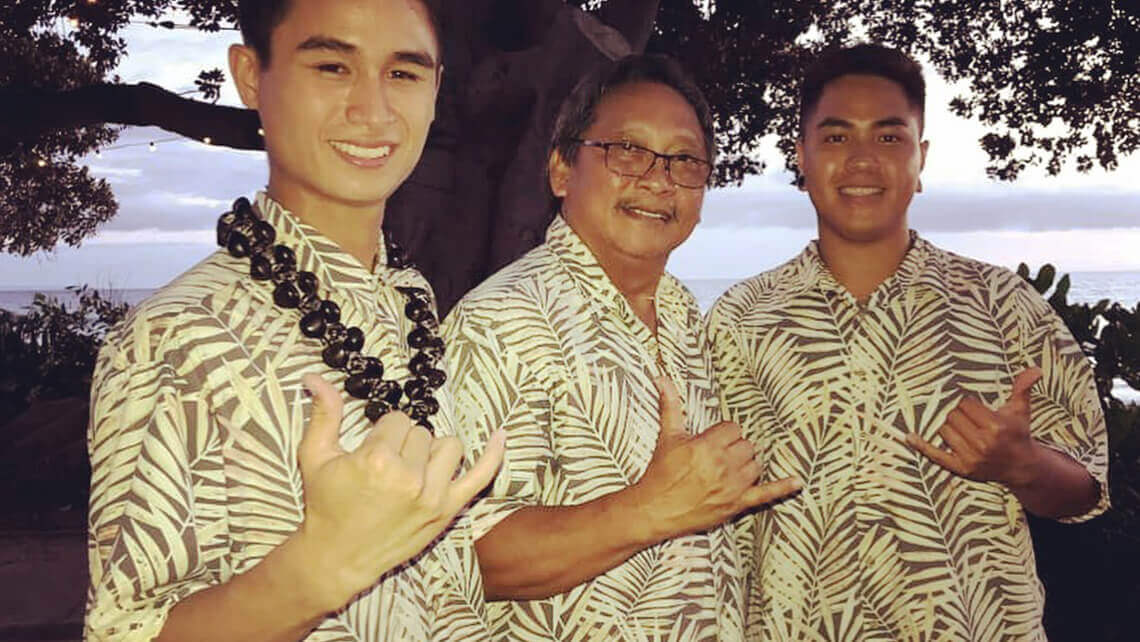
[[207, 140], [41, 162]]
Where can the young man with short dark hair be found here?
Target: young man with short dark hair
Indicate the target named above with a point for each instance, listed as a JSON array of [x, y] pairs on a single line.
[[216, 514], [927, 400]]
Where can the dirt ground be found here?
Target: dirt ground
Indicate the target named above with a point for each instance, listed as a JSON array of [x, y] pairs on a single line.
[[43, 579]]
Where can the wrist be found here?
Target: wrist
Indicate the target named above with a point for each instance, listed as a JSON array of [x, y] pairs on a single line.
[[310, 571], [1026, 472], [632, 509]]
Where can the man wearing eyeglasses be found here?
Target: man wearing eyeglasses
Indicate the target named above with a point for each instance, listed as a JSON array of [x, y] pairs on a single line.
[[611, 518]]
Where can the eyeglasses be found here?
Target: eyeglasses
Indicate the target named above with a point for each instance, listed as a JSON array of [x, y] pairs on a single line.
[[626, 159]]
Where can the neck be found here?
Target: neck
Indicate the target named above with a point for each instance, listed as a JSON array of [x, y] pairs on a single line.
[[637, 281], [355, 228], [861, 266]]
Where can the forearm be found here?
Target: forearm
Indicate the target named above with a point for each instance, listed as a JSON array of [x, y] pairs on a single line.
[[1054, 485], [541, 551], [281, 598]]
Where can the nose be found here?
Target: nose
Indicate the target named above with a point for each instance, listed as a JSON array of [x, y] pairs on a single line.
[[656, 179], [862, 156], [368, 103]]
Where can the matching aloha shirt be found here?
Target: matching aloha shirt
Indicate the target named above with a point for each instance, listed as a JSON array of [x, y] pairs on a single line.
[[197, 412], [883, 544], [550, 350]]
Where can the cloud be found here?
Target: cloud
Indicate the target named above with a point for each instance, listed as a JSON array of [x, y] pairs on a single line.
[[942, 208], [152, 236], [728, 252]]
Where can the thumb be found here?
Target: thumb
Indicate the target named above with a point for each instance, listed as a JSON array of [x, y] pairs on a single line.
[[1022, 384], [672, 414], [321, 441]]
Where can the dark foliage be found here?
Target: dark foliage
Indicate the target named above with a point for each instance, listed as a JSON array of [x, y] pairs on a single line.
[[1090, 570], [49, 351]]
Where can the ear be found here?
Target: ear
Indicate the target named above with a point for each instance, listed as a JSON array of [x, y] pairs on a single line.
[[559, 172], [800, 164], [435, 93], [245, 68], [923, 147]]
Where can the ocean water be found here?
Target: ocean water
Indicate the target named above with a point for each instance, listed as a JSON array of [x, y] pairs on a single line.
[[1087, 287]]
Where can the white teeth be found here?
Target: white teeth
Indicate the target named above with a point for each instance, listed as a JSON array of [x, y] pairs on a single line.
[[367, 153], [860, 191], [647, 213]]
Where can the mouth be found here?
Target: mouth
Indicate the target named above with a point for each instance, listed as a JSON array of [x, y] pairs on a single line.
[[653, 214], [365, 155], [859, 190]]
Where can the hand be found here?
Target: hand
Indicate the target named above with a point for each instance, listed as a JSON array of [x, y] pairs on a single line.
[[692, 482], [988, 445], [371, 509]]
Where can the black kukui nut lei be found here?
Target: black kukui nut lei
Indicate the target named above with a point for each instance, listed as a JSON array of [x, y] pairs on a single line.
[[244, 234]]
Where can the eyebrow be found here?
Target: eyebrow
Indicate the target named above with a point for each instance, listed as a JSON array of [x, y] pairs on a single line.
[[893, 121], [421, 58], [636, 133], [326, 43]]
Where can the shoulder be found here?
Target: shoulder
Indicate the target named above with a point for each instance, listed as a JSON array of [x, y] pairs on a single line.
[[969, 279], [766, 290], [517, 287], [179, 312]]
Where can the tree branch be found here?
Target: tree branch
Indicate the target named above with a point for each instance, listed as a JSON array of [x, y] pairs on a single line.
[[634, 19], [35, 111]]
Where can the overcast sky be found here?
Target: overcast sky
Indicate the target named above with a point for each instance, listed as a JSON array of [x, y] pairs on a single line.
[[170, 198]]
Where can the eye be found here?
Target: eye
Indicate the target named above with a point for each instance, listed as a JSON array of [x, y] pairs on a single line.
[[331, 68], [686, 158], [890, 138], [834, 138], [404, 74]]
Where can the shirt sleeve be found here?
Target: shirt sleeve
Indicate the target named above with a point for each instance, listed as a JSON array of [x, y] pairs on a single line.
[[493, 388], [1065, 410], [148, 547]]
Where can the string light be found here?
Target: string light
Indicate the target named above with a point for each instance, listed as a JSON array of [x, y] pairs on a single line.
[[74, 22], [260, 131], [153, 144], [41, 162]]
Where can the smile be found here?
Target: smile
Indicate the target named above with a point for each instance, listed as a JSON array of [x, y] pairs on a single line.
[[860, 191], [361, 153], [650, 214]]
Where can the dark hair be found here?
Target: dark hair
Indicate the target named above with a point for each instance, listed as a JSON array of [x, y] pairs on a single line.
[[864, 59], [258, 19], [580, 107]]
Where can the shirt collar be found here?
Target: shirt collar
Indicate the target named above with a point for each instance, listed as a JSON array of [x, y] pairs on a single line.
[[587, 274], [337, 270], [921, 268]]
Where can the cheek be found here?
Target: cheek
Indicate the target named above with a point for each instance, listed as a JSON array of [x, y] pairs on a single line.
[[690, 203]]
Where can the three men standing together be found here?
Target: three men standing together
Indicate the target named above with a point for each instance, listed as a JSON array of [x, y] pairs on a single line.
[[228, 504]]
